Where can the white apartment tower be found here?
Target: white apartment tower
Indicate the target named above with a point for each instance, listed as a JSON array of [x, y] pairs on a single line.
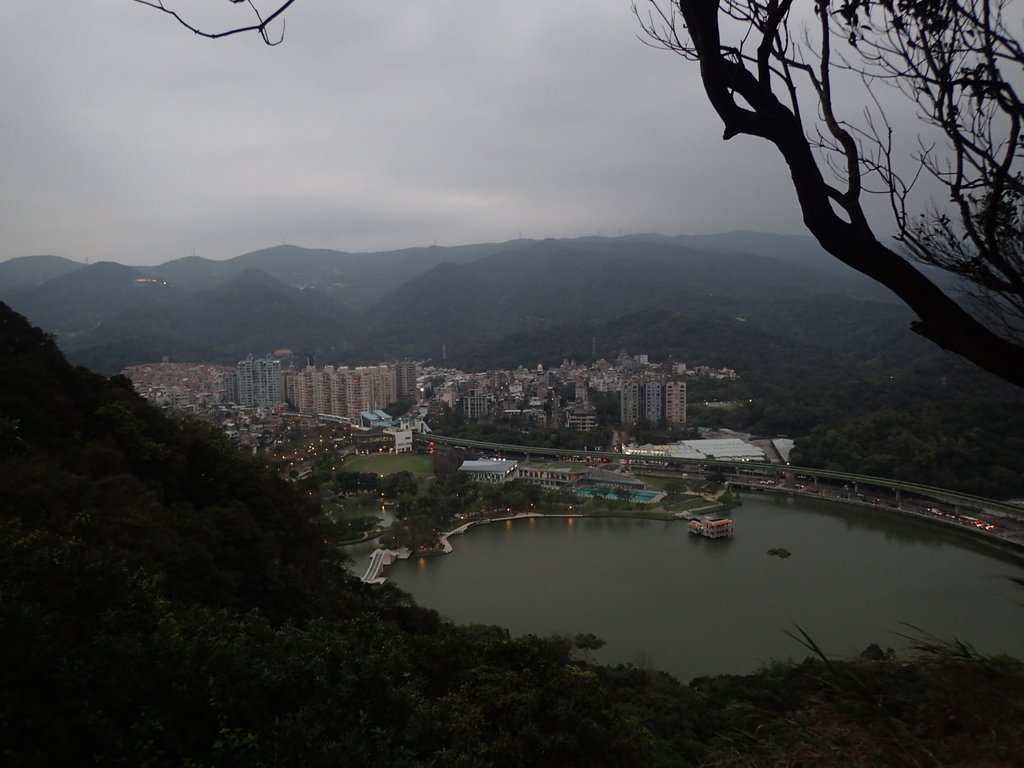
[[259, 382]]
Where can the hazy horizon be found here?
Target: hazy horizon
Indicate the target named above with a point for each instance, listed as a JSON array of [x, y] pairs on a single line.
[[87, 261]]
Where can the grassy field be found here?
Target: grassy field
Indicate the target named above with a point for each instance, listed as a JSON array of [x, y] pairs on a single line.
[[687, 504], [656, 481], [389, 463]]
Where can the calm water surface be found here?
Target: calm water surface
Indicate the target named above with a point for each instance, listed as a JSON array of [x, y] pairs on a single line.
[[691, 606]]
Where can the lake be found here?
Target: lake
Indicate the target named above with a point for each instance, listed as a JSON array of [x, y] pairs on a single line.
[[690, 606]]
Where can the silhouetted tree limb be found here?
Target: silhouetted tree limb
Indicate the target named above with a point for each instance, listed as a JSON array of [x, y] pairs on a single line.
[[948, 57], [260, 26], [754, 73]]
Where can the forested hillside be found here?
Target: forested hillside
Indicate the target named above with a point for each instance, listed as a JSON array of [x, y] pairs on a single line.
[[345, 307], [167, 602]]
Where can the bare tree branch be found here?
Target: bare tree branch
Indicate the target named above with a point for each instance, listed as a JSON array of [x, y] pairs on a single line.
[[261, 26], [944, 55]]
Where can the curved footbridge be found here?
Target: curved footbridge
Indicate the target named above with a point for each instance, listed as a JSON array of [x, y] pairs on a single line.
[[378, 559]]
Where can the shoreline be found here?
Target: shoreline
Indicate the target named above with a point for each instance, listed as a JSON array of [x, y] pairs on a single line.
[[1014, 547], [1011, 547], [446, 547]]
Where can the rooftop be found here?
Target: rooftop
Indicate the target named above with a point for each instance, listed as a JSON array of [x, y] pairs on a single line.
[[501, 466]]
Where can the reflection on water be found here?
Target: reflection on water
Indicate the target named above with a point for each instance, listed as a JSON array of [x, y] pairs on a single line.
[[894, 527], [693, 606]]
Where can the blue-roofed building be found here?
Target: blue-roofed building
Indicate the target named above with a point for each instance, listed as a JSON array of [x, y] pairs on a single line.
[[375, 420]]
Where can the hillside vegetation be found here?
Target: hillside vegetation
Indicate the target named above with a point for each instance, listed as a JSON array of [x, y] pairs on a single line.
[[166, 601], [335, 305]]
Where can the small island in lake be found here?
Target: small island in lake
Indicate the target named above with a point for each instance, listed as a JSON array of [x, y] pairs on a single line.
[[779, 552]]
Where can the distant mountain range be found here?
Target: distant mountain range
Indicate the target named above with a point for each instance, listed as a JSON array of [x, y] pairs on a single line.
[[426, 302]]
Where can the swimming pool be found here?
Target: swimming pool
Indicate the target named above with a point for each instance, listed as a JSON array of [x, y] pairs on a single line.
[[642, 497]]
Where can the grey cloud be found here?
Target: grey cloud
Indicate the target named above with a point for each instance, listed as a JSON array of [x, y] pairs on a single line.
[[370, 127]]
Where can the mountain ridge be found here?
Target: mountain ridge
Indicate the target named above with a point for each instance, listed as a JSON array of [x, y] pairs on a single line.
[[410, 301]]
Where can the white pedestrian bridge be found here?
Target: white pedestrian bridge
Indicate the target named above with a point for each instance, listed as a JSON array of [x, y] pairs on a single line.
[[378, 559]]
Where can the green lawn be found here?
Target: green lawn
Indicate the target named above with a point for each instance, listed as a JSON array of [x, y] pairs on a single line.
[[389, 463], [686, 504], [657, 481]]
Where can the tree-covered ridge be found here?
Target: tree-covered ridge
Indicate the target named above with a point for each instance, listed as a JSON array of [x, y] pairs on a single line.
[[920, 429], [165, 601], [409, 303], [976, 448]]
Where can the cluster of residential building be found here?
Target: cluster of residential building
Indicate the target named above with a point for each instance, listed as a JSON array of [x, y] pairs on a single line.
[[183, 386], [348, 392], [262, 382], [653, 400], [655, 393], [249, 399]]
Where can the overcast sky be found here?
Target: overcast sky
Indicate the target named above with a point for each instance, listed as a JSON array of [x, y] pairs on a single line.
[[372, 126]]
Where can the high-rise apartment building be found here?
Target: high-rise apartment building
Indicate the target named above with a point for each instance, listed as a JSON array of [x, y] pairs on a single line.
[[380, 383], [230, 386], [654, 404], [342, 391], [406, 372], [259, 382], [629, 401], [675, 402]]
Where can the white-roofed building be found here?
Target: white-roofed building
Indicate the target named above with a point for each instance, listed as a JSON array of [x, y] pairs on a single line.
[[724, 449], [494, 471], [784, 446]]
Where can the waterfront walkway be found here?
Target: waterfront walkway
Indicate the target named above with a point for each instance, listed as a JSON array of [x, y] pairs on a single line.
[[382, 557], [443, 540]]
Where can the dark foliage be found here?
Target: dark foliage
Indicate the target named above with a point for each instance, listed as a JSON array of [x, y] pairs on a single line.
[[166, 602]]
